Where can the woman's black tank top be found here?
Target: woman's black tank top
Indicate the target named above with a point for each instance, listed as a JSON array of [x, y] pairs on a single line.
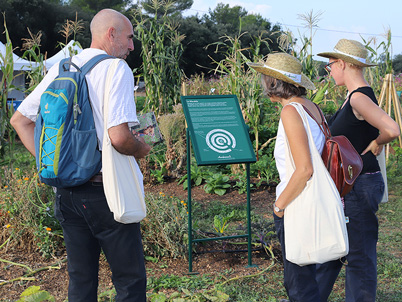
[[360, 133]]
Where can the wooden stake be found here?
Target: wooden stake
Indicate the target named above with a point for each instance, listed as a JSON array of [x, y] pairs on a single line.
[[389, 95]]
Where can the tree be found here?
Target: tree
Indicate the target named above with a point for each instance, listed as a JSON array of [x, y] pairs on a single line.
[[227, 17], [397, 63], [21, 15], [165, 7], [223, 21], [93, 6]]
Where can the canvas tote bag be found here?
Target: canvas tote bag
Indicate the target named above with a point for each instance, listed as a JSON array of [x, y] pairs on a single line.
[[314, 222], [121, 183]]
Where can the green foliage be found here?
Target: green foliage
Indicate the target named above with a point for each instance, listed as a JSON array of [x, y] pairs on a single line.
[[397, 64], [177, 282], [92, 7], [164, 230], [27, 211], [266, 166], [159, 175], [221, 222], [23, 15], [217, 183], [35, 294], [161, 53], [198, 175], [159, 171], [7, 133], [172, 127], [241, 183]]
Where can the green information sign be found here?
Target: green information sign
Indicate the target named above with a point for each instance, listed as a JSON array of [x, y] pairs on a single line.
[[217, 129]]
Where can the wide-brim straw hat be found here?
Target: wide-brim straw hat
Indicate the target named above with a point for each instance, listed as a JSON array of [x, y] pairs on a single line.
[[350, 51], [284, 67]]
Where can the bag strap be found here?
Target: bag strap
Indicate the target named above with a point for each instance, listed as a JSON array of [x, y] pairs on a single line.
[[92, 63], [66, 64], [323, 125], [299, 107], [110, 73]]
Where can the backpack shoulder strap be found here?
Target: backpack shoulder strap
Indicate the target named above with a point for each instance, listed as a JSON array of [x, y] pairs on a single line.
[[92, 63]]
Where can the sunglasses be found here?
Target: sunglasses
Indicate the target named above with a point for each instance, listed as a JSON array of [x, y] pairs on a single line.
[[328, 66]]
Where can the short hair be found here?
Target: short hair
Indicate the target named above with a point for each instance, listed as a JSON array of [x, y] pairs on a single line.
[[279, 88]]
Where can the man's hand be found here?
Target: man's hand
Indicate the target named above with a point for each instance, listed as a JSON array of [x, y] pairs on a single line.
[[126, 143]]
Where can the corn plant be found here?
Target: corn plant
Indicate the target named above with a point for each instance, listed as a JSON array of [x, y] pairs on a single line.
[[71, 28], [161, 52], [306, 54], [7, 133], [238, 80], [31, 47]]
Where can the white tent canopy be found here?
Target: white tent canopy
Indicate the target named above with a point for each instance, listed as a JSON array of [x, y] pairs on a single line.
[[71, 47], [19, 64], [22, 64]]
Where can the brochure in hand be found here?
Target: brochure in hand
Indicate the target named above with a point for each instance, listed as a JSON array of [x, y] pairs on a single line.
[[147, 128]]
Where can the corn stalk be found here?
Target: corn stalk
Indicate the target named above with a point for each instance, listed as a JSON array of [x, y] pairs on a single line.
[[242, 82], [7, 133], [161, 51]]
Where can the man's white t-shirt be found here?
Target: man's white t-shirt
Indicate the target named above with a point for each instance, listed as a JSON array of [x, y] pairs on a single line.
[[122, 107]]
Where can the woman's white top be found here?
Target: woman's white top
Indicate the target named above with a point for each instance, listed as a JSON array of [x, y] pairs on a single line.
[[280, 145]]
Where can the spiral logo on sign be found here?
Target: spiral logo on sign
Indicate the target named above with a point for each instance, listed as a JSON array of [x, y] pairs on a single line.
[[220, 140]]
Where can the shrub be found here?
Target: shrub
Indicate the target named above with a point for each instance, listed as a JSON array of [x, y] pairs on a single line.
[[164, 230], [27, 212]]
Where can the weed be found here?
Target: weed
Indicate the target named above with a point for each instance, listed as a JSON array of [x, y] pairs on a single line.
[[165, 227], [35, 294]]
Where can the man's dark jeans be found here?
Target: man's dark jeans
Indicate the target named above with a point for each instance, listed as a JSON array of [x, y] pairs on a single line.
[[89, 227]]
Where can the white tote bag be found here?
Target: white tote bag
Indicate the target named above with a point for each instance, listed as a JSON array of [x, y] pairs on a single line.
[[314, 222], [121, 182]]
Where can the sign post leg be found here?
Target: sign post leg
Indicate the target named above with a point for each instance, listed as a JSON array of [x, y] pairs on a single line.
[[190, 226]]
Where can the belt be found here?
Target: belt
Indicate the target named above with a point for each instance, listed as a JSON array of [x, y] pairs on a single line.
[[96, 178]]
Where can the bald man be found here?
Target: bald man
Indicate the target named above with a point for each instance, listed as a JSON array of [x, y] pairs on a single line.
[[88, 225]]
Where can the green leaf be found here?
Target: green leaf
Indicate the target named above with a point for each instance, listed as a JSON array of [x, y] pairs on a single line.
[[159, 297], [198, 181], [220, 192]]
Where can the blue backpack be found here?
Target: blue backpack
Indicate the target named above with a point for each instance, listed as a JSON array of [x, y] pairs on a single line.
[[66, 144]]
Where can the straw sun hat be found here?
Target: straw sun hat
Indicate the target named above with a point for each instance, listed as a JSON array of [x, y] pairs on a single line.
[[350, 51], [284, 67]]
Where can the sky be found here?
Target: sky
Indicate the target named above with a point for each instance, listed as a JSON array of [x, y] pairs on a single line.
[[352, 19]]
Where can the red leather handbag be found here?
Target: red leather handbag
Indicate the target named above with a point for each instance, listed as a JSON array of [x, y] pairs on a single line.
[[343, 162]]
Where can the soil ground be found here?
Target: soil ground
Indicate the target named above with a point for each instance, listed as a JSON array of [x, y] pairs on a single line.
[[55, 279]]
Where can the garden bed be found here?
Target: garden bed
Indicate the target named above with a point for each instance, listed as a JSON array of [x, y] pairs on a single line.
[[55, 279]]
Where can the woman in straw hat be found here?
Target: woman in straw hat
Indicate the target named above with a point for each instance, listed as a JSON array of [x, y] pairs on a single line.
[[368, 128], [284, 83]]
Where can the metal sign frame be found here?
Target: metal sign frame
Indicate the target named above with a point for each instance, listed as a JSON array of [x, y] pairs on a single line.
[[202, 124]]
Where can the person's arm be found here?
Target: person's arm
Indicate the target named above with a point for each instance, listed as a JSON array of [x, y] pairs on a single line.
[[25, 130], [124, 141], [364, 107], [299, 147]]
